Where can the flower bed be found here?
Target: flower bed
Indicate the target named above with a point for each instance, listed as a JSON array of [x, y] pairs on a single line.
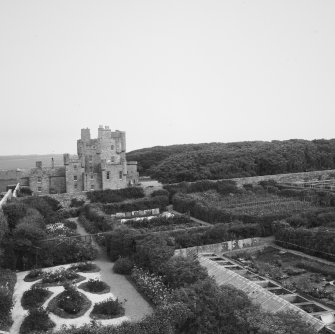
[[107, 309], [60, 276], [151, 285], [85, 267], [36, 320], [95, 286], [70, 303], [35, 297], [34, 275]]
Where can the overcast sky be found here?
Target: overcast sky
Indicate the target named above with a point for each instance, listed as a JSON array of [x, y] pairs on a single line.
[[166, 72]]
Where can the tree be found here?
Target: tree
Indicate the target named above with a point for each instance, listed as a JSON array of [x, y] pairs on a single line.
[[152, 252], [182, 271], [213, 309]]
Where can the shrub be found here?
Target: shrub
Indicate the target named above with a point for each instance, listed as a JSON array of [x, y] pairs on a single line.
[[95, 285], [33, 275], [88, 225], [67, 250], [182, 271], [34, 297], [152, 252], [6, 304], [14, 212], [70, 224], [108, 309], [60, 275], [70, 300], [36, 320], [76, 203], [85, 267], [160, 192], [123, 266], [151, 285]]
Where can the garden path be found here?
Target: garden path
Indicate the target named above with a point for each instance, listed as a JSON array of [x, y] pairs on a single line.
[[136, 306]]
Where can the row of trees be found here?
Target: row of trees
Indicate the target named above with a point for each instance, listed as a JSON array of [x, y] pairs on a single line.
[[193, 162]]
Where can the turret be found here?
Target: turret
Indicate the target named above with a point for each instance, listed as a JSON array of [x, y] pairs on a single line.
[[85, 134]]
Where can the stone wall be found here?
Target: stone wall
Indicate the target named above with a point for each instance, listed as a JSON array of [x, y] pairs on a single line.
[[223, 247]]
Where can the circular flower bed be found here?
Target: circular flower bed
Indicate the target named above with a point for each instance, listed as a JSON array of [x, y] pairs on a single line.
[[35, 297], [37, 320], [70, 303], [108, 309], [95, 286]]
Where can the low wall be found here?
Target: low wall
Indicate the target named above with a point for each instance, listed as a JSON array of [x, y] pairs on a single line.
[[7, 197], [225, 246]]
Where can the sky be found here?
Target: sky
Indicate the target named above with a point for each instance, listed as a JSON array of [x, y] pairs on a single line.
[[166, 72]]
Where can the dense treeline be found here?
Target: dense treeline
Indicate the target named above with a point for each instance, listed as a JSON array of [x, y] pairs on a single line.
[[193, 162]]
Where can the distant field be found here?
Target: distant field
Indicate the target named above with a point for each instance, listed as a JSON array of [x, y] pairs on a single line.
[[28, 161]]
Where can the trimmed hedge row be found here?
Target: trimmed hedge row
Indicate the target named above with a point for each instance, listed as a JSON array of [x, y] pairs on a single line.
[[317, 242], [118, 195], [140, 204]]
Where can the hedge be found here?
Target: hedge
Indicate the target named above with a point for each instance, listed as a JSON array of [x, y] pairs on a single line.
[[160, 202], [118, 195]]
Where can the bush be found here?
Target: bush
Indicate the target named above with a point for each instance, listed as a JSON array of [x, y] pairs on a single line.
[[14, 211], [123, 266], [34, 297], [6, 305], [34, 275], [60, 275], [151, 285], [119, 195], [70, 224], [160, 192], [76, 203], [182, 271], [152, 252], [85, 267], [36, 320], [95, 285], [107, 309], [67, 250], [70, 300]]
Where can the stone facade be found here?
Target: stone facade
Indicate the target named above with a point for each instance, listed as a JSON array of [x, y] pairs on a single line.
[[100, 164]]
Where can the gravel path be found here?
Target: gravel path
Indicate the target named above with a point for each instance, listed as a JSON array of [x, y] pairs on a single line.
[[136, 306]]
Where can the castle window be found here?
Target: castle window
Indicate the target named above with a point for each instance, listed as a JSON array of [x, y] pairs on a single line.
[[39, 189], [107, 176], [120, 175], [75, 185], [91, 176], [39, 179], [75, 178], [92, 186]]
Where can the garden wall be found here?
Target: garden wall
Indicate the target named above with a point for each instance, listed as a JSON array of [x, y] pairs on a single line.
[[225, 246]]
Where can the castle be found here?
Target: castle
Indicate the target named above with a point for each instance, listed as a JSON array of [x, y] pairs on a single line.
[[100, 164]]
